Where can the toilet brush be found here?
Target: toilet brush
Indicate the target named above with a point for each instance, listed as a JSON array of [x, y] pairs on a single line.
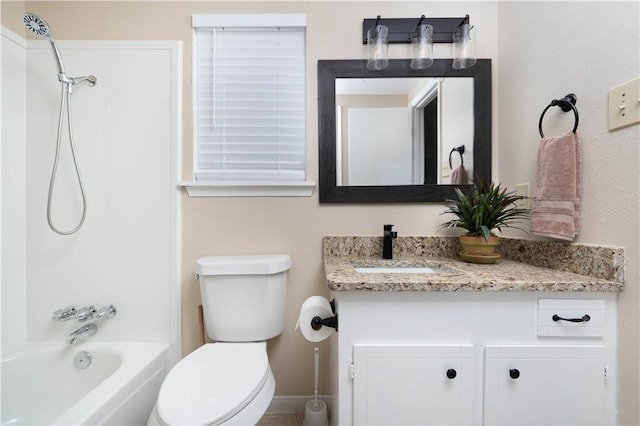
[[316, 359], [315, 411]]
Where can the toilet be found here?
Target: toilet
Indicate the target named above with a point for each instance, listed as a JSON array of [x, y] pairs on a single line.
[[229, 382]]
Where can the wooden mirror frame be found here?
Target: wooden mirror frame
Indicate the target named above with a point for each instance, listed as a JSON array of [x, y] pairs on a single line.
[[330, 70]]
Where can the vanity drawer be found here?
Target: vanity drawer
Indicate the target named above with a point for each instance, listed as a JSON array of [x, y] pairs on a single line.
[[571, 317]]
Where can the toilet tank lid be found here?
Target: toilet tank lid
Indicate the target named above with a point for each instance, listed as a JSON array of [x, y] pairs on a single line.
[[265, 264]]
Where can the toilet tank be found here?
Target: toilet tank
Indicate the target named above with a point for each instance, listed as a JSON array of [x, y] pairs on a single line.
[[243, 297]]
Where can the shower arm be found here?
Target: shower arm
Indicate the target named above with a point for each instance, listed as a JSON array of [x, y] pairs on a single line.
[[71, 82]]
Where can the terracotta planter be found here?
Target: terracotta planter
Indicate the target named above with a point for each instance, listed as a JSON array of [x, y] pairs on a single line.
[[479, 246]]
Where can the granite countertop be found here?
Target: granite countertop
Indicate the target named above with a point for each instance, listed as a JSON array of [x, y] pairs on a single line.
[[576, 268]]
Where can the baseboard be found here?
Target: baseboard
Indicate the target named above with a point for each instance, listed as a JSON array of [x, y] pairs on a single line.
[[292, 404]]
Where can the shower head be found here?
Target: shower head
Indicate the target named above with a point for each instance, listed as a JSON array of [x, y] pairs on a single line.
[[40, 27]]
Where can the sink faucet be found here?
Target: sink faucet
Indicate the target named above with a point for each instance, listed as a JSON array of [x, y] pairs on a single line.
[[86, 330], [387, 242]]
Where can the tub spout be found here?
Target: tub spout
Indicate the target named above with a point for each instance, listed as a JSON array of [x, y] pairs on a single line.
[[86, 330]]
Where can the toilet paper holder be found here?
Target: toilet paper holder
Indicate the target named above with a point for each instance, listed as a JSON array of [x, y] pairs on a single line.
[[317, 322]]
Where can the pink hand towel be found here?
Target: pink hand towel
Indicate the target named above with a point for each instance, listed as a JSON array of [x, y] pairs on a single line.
[[558, 188], [459, 176]]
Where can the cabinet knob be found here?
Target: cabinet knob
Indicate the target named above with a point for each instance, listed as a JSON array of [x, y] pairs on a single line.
[[451, 373], [514, 373]]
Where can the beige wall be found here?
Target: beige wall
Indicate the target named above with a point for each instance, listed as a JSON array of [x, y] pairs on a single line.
[[525, 83]]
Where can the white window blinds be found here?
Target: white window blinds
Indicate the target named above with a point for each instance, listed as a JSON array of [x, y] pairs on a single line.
[[249, 102]]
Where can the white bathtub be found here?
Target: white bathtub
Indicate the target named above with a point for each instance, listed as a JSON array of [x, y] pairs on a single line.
[[41, 386]]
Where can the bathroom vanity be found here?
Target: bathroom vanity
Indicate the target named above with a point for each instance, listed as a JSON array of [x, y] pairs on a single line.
[[528, 340]]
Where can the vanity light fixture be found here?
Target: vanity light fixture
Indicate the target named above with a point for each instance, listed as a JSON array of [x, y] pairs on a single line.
[[464, 47], [421, 45], [377, 33], [378, 46]]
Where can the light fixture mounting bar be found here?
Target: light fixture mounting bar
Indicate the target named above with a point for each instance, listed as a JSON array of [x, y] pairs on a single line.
[[400, 28]]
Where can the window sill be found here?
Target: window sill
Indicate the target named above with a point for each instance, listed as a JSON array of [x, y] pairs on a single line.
[[249, 189]]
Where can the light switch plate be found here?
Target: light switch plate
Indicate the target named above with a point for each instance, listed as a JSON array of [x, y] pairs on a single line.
[[624, 104]]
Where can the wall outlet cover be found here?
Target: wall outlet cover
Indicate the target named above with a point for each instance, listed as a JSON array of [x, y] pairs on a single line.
[[524, 189]]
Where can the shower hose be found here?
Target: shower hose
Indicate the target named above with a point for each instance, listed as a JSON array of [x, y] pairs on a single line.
[[65, 103]]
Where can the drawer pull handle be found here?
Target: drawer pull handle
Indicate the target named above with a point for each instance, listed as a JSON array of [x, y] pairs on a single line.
[[514, 373], [585, 318], [451, 373]]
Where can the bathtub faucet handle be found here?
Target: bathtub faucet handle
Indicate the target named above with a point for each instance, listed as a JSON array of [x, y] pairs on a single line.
[[107, 312], [64, 314], [86, 313]]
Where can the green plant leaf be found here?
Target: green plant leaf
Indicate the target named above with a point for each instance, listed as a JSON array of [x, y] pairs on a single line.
[[484, 208]]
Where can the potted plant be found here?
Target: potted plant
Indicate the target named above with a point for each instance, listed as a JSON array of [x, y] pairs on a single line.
[[485, 208]]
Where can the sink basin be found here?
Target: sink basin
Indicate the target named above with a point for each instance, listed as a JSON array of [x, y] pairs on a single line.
[[398, 270]]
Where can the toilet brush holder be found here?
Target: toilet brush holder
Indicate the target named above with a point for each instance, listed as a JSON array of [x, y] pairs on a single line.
[[315, 413]]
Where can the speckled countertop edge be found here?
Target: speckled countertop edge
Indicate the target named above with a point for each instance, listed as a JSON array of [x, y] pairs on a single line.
[[526, 266]]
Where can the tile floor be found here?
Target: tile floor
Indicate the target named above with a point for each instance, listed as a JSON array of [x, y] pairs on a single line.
[[295, 419]]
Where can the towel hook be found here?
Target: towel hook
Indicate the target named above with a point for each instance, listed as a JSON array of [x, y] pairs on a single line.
[[459, 150], [566, 104]]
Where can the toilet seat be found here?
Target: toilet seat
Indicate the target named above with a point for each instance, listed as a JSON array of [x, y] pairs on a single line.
[[213, 383]]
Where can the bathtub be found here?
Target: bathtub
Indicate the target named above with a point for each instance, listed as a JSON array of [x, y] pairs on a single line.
[[41, 385]]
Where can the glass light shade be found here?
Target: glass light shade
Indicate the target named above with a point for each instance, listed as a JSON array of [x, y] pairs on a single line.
[[464, 47], [378, 47], [422, 47]]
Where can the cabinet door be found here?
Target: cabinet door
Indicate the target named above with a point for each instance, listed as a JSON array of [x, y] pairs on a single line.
[[545, 385], [413, 384]]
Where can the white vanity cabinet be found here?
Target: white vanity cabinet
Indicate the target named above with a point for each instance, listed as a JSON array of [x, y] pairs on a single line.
[[394, 353], [545, 385], [413, 384]]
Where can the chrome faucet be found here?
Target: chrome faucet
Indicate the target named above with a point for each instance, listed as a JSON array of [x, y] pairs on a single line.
[[86, 313], [64, 314], [106, 312], [387, 242], [86, 330]]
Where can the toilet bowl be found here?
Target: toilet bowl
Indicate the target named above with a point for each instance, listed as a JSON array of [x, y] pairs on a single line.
[[229, 382]]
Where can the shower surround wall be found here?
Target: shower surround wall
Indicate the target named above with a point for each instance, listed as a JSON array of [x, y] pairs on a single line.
[[14, 269], [126, 135]]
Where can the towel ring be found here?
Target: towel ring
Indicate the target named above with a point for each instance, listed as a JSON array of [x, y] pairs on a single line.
[[566, 104], [459, 150]]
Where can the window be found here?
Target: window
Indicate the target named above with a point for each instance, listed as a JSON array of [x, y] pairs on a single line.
[[249, 100]]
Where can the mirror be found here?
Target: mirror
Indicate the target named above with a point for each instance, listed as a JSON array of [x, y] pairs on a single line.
[[366, 156], [394, 121]]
